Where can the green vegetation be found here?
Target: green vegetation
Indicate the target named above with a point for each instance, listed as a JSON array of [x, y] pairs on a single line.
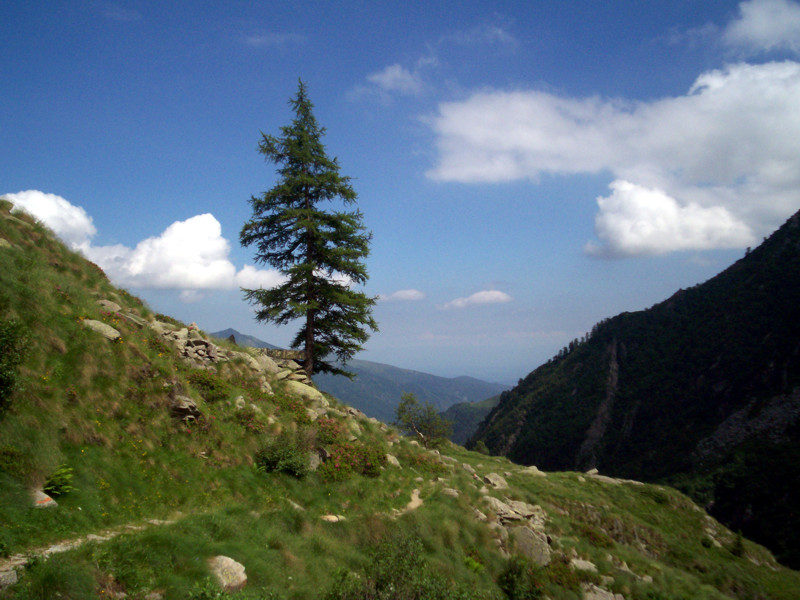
[[422, 421], [147, 498], [700, 391], [467, 416], [320, 253]]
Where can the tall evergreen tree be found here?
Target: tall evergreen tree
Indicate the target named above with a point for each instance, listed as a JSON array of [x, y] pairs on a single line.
[[320, 252]]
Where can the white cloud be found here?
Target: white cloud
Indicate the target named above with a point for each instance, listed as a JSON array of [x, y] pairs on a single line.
[[635, 220], [396, 78], [188, 255], [764, 25], [410, 295], [729, 143], [483, 297], [69, 222]]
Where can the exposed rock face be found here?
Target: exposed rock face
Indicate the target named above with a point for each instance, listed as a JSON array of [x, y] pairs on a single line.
[[230, 575], [496, 481]]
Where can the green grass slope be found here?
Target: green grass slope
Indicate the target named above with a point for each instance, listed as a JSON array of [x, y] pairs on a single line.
[[700, 391], [145, 498]]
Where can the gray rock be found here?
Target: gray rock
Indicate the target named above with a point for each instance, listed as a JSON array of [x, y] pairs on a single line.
[[450, 492], [104, 329], [305, 391], [532, 544], [533, 470], [592, 592], [8, 578], [392, 460], [229, 574], [495, 480], [184, 408], [468, 468], [503, 511], [583, 565], [314, 460], [109, 306], [42, 500]]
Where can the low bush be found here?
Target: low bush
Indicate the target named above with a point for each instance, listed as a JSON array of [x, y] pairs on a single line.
[[349, 458], [521, 579], [286, 453], [211, 387], [60, 482]]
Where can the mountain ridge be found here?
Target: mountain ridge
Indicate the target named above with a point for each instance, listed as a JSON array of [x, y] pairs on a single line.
[[378, 387], [664, 395]]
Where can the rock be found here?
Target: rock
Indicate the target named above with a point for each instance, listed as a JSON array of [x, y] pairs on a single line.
[[583, 565], [42, 500], [8, 578], [479, 515], [104, 329], [240, 402], [495, 480], [533, 470], [532, 544], [303, 390], [468, 468], [184, 408], [392, 460], [332, 518], [313, 460], [592, 592], [450, 492], [295, 505], [503, 511], [229, 574], [592, 472], [109, 306]]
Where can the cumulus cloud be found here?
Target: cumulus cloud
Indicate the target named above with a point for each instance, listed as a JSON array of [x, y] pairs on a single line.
[[637, 220], [765, 25], [483, 297], [396, 78], [729, 143], [188, 255], [69, 222], [410, 295]]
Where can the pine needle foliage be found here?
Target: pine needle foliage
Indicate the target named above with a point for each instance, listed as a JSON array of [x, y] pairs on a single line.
[[320, 252]]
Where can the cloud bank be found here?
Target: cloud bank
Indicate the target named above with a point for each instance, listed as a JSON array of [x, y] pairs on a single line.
[[189, 255], [716, 167]]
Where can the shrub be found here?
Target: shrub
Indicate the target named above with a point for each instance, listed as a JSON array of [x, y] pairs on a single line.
[[60, 482], [286, 453], [12, 352], [521, 579], [210, 386], [397, 571], [11, 460], [329, 431], [422, 421], [348, 458]]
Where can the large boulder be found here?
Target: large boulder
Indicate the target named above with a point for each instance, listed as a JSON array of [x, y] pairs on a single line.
[[303, 390], [532, 544]]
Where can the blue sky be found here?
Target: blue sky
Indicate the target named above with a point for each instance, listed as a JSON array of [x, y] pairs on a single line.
[[526, 168]]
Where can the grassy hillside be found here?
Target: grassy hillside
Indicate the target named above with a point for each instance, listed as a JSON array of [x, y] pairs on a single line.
[[146, 497], [700, 391]]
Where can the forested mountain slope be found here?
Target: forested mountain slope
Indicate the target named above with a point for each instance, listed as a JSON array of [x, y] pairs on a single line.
[[701, 390]]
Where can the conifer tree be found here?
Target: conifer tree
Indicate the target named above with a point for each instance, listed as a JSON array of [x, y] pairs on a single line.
[[320, 251]]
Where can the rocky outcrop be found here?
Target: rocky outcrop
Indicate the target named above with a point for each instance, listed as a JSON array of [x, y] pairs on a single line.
[[104, 329]]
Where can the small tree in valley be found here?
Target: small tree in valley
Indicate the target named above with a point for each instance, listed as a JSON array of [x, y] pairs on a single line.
[[319, 252], [422, 421]]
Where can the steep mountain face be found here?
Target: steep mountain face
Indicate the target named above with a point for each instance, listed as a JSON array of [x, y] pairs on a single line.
[[701, 391]]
